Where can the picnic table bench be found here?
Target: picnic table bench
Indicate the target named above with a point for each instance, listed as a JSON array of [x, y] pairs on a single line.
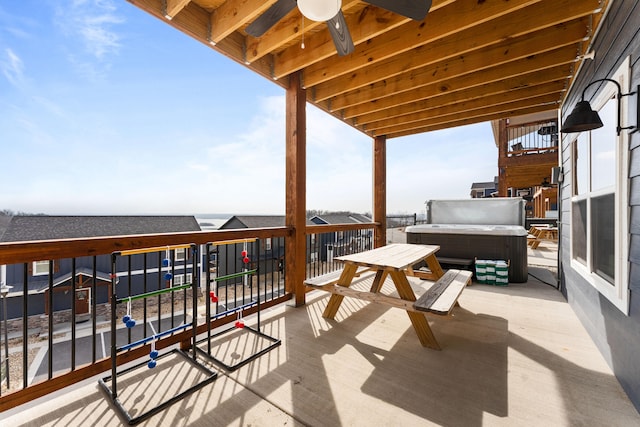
[[439, 299]]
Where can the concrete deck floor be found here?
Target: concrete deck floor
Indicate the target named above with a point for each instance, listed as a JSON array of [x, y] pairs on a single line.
[[512, 356]]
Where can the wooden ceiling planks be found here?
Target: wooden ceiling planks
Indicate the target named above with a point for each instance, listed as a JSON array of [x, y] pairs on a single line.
[[467, 62]]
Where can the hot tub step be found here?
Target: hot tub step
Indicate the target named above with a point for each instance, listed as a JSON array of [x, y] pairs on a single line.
[[463, 262]]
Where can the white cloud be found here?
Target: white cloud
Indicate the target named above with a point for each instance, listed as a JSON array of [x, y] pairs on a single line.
[[245, 173], [90, 22], [12, 67]]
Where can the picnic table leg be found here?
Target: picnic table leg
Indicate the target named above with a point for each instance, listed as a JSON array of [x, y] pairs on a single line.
[[345, 279], [418, 320], [381, 275], [435, 269], [434, 266]]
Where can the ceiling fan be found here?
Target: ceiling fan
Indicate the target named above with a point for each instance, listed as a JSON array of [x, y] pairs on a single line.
[[330, 12]]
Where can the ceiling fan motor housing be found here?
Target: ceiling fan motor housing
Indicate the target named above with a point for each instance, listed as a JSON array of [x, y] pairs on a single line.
[[319, 10]]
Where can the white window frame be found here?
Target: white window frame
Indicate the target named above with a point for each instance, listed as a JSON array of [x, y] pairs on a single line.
[[180, 254], [38, 266], [618, 292], [181, 279]]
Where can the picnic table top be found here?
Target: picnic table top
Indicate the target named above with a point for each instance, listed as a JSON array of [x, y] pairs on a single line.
[[397, 256]]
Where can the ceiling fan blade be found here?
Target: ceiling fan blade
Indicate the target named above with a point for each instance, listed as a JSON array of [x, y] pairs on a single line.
[[340, 34], [414, 9], [271, 17]]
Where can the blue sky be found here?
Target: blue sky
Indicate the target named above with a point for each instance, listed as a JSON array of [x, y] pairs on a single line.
[[107, 110]]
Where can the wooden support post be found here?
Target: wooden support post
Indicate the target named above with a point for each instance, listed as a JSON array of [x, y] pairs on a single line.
[[503, 149], [295, 217], [380, 190]]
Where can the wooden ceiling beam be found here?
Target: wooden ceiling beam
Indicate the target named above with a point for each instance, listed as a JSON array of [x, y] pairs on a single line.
[[465, 39], [173, 7], [446, 114], [461, 108], [462, 14], [194, 22], [556, 88], [319, 47], [448, 67], [465, 121], [234, 14], [192, 19], [463, 88], [518, 24], [363, 23], [468, 61], [287, 30], [536, 78], [493, 79]]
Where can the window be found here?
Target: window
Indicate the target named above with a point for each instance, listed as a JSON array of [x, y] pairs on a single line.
[[267, 244], [40, 268], [180, 254], [181, 279], [599, 206]]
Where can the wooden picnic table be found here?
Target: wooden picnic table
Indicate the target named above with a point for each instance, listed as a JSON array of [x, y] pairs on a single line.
[[396, 261], [539, 233]]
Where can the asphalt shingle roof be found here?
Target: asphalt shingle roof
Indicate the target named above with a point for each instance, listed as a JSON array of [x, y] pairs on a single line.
[[342, 218], [256, 221], [44, 227], [259, 221]]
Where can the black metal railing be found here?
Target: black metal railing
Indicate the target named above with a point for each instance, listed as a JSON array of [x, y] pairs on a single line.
[[58, 319], [59, 309], [324, 248], [240, 271], [394, 221], [532, 138]]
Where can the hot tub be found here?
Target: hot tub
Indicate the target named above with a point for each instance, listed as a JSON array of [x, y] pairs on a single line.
[[477, 241]]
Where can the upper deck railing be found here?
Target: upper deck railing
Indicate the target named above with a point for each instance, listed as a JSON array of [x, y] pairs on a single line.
[[532, 138]]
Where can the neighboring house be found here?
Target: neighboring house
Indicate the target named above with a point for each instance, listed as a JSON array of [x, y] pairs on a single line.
[[527, 157], [40, 276], [527, 151], [266, 255], [600, 198], [340, 242], [484, 189]]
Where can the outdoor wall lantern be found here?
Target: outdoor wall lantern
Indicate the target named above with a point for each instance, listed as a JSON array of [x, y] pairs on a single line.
[[583, 117]]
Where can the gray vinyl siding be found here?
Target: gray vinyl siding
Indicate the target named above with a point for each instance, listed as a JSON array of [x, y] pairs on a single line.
[[616, 334]]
